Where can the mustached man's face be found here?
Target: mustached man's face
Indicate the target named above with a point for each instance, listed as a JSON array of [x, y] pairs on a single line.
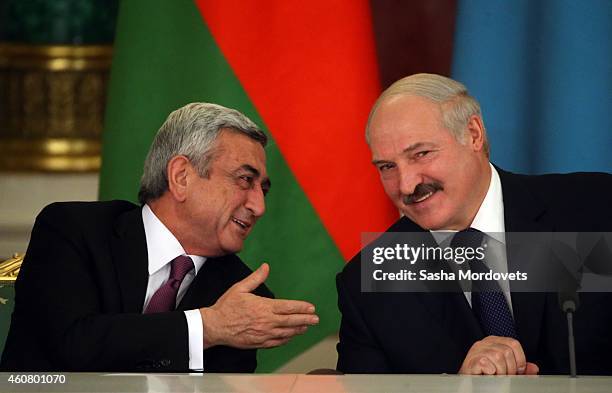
[[433, 179]]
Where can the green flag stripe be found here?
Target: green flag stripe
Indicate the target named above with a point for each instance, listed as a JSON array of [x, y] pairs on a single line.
[[164, 58]]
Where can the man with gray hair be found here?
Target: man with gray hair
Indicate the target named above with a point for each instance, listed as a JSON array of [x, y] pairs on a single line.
[[429, 145], [111, 286]]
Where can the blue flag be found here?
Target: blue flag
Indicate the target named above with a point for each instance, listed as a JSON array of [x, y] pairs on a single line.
[[542, 71]]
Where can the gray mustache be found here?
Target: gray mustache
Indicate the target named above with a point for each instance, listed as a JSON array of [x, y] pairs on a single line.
[[421, 190]]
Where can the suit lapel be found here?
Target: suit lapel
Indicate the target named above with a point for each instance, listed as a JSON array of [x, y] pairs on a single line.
[[524, 212], [447, 306], [209, 284], [129, 249]]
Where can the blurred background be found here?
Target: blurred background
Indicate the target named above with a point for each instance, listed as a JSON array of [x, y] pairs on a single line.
[[84, 84]]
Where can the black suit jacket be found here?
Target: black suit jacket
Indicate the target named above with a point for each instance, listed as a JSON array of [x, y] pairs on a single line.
[[80, 292], [432, 332]]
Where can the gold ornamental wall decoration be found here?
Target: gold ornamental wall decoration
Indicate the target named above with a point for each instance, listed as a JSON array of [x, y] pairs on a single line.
[[9, 269], [52, 100]]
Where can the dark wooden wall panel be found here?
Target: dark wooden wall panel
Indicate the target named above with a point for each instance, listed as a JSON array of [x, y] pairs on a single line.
[[413, 36]]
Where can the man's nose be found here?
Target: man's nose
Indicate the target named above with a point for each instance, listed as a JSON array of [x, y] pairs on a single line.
[[409, 179], [256, 202]]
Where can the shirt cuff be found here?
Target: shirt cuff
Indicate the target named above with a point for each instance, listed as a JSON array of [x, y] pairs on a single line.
[[196, 340]]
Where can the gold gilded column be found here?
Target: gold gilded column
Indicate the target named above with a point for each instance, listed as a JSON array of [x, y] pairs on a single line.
[[52, 100]]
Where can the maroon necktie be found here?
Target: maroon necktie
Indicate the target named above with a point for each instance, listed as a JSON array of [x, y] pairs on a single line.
[[164, 299]]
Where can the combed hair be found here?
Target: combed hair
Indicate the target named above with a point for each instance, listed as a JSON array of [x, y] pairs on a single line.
[[456, 104], [190, 131]]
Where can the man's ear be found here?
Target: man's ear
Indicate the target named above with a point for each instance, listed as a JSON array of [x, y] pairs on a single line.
[[178, 169], [475, 133]]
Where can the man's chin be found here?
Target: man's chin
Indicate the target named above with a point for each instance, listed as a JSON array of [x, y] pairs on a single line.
[[427, 223], [232, 247]]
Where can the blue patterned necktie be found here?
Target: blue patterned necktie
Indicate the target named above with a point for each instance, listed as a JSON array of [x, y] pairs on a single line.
[[488, 301]]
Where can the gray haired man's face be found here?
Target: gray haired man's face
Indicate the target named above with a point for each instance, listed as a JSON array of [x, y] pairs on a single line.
[[224, 207]]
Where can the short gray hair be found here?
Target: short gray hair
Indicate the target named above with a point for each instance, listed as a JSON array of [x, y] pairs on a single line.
[[190, 131], [456, 104]]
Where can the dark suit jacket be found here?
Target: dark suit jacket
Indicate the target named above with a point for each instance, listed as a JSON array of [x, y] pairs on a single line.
[[80, 292], [432, 332]]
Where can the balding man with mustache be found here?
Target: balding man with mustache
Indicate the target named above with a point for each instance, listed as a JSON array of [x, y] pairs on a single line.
[[428, 142]]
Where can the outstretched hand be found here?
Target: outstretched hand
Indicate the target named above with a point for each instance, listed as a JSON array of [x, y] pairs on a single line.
[[241, 319]]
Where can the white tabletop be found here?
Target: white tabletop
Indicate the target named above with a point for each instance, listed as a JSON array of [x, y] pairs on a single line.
[[300, 383]]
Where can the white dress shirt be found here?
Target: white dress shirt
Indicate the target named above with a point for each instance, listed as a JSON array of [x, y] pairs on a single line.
[[490, 220], [162, 248]]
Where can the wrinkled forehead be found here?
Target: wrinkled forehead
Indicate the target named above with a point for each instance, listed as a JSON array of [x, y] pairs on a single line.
[[405, 113], [238, 150]]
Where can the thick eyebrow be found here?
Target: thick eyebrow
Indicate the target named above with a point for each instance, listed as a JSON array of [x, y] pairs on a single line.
[[409, 149], [416, 146], [249, 168], [265, 183], [378, 162]]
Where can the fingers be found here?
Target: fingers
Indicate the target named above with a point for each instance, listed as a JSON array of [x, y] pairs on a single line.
[[491, 361], [293, 312], [485, 366], [297, 320], [281, 333], [518, 354], [503, 354], [532, 369], [273, 343], [280, 306], [253, 280], [503, 357], [281, 336]]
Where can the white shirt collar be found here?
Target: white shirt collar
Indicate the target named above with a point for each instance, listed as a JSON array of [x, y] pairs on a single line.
[[162, 246], [490, 216]]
